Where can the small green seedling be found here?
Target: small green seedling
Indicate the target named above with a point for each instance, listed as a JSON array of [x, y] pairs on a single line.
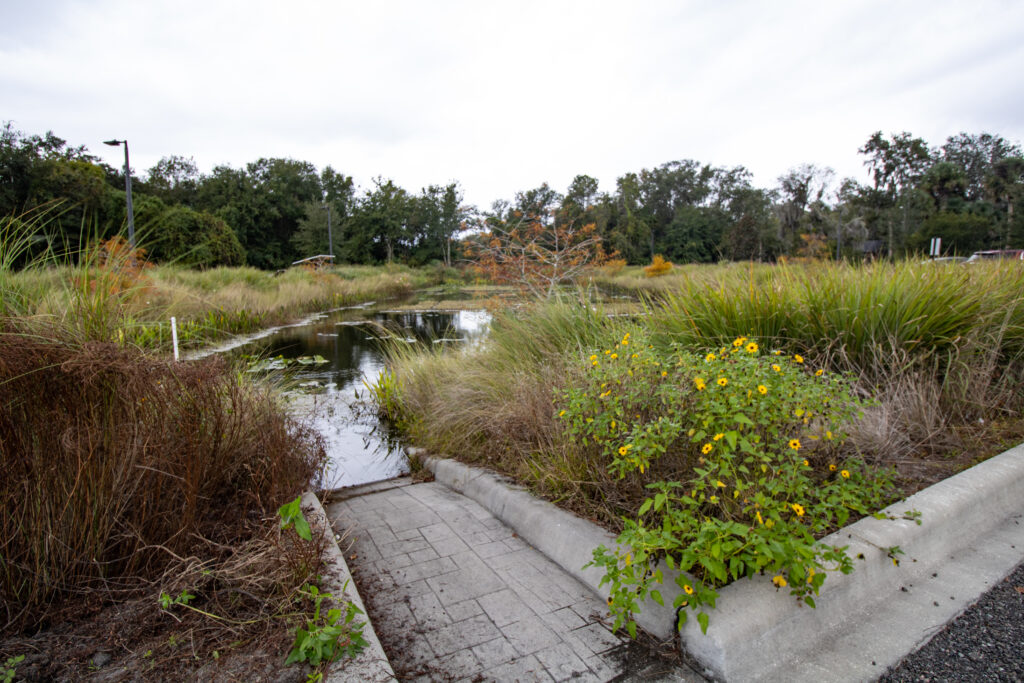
[[291, 514]]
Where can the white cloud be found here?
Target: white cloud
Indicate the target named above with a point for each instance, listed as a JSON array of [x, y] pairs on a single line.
[[504, 96]]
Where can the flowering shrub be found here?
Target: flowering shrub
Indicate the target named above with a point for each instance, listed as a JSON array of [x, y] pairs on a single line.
[[659, 266], [750, 442]]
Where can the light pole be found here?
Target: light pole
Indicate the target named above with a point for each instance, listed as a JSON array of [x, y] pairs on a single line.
[[330, 242], [127, 188]]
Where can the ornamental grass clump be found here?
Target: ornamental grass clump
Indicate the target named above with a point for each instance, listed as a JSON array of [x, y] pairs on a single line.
[[739, 451]]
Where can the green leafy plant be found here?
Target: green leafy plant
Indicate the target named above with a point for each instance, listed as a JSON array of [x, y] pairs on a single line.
[[328, 635], [10, 669], [291, 515], [166, 601], [740, 452]]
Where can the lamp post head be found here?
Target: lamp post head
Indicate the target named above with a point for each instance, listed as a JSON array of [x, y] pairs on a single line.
[[113, 143]]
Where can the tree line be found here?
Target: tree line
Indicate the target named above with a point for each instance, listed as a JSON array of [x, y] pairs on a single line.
[[274, 211]]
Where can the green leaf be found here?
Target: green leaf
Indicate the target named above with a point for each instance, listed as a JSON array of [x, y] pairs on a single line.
[[810, 601], [702, 618], [302, 528], [631, 627], [656, 596], [645, 507]]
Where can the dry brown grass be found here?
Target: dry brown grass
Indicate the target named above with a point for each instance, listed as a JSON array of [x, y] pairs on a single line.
[[115, 462]]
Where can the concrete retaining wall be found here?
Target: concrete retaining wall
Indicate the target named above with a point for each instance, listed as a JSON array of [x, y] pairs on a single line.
[[759, 633]]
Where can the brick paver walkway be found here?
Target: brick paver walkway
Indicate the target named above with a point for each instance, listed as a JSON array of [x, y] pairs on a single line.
[[454, 594]]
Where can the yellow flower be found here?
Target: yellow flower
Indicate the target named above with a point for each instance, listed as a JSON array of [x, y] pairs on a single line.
[[614, 356], [738, 342], [798, 358], [819, 372], [700, 384], [807, 463], [751, 347], [759, 520], [777, 352], [629, 559], [719, 484], [779, 581], [595, 363], [688, 589], [828, 435], [664, 373], [593, 357], [607, 351], [845, 474], [624, 449], [798, 509], [794, 444], [762, 388], [713, 499], [635, 355], [831, 468], [710, 357], [722, 381], [706, 448], [613, 424], [810, 574], [561, 413], [718, 437], [776, 368]]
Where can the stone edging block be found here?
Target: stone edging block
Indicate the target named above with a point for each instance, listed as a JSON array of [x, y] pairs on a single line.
[[371, 664], [758, 632]]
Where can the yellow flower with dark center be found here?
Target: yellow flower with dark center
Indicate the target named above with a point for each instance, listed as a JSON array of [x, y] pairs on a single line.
[[706, 448], [624, 449], [607, 351], [798, 358], [807, 463], [798, 509], [738, 342], [595, 363], [794, 444], [751, 347], [718, 437], [722, 381], [614, 356], [831, 468], [688, 590], [762, 389], [819, 372], [710, 357], [776, 368], [779, 581], [700, 384], [593, 357], [845, 474]]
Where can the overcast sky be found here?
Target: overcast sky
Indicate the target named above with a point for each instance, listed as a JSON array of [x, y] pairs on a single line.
[[503, 96]]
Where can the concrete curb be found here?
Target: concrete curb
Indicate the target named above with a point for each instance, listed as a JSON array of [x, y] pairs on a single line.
[[864, 622], [371, 664]]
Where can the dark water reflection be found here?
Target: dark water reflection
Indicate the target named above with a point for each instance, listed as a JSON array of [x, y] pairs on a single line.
[[360, 447]]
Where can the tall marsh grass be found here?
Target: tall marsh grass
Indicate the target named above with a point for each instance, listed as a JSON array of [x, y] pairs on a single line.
[[116, 463], [937, 347]]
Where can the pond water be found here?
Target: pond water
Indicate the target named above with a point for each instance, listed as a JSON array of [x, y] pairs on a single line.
[[331, 395]]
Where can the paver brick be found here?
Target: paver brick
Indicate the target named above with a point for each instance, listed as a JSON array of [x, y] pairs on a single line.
[[529, 635], [449, 546], [423, 555], [495, 652], [462, 634], [423, 570], [523, 670], [428, 611], [504, 607], [563, 620], [464, 610], [561, 662]]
